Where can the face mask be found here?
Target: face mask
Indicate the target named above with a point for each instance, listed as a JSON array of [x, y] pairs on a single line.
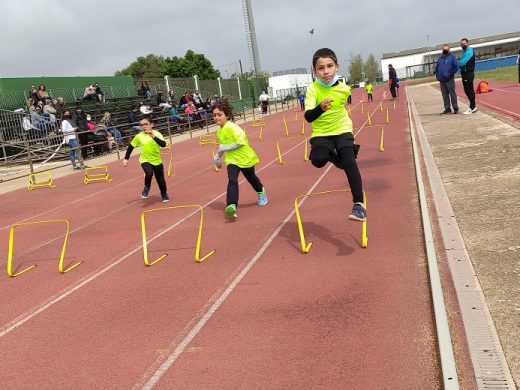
[[329, 84], [464, 47], [445, 52], [66, 116], [89, 118]]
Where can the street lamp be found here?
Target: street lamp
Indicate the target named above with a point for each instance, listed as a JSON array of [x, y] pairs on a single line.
[[312, 45]]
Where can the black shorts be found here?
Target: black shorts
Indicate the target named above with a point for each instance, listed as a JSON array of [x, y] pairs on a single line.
[[332, 142]]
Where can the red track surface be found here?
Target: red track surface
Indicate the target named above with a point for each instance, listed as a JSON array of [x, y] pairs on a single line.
[[504, 99], [338, 317]]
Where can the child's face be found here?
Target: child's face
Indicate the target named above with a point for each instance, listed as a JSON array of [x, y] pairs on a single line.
[[219, 117], [325, 69]]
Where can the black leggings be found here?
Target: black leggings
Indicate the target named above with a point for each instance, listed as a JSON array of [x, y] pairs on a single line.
[[232, 188], [321, 155], [467, 82], [151, 170]]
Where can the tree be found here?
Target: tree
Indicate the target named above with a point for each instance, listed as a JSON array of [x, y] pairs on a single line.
[[191, 64], [355, 67], [371, 68], [144, 67]]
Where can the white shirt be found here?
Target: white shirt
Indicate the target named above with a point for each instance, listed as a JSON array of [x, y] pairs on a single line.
[[68, 131], [264, 97], [145, 110]]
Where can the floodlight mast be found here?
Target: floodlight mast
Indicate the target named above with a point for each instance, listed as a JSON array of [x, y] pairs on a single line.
[[254, 57]]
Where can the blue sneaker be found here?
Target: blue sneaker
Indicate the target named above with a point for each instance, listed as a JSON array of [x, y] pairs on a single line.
[[145, 193], [231, 212], [165, 197], [358, 213], [262, 198]]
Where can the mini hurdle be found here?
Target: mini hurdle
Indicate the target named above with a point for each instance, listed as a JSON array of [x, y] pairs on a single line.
[[306, 247], [10, 249], [207, 139], [35, 183], [100, 174], [259, 123], [305, 152], [198, 259]]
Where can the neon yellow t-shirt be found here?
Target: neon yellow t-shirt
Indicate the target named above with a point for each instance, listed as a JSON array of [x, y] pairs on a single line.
[[369, 88], [335, 120], [150, 150], [244, 156]]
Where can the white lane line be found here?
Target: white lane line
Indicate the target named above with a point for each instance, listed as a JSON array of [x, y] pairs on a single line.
[[215, 303], [22, 319]]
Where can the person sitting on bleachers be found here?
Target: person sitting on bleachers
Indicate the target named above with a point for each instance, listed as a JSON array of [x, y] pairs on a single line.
[[59, 106], [107, 122], [99, 93], [42, 93], [40, 122], [49, 109], [197, 99], [193, 114], [174, 115], [90, 93], [145, 109], [33, 93], [133, 118], [183, 102], [161, 102]]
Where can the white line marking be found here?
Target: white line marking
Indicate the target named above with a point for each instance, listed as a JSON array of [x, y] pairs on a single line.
[[22, 319], [222, 297]]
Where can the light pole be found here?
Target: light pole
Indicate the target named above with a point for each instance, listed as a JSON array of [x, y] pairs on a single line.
[[429, 53], [312, 52]]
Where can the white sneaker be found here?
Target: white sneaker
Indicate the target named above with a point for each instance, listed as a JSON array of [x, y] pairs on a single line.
[[474, 110], [468, 111]]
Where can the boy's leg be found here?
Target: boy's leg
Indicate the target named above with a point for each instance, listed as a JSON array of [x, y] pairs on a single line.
[[158, 171], [232, 188], [345, 148], [148, 174], [322, 151], [250, 175]]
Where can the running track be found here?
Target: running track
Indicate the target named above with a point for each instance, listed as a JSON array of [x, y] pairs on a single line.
[[256, 314]]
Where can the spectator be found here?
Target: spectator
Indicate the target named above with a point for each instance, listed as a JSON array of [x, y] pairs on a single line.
[[145, 90], [445, 70], [161, 102], [171, 95], [264, 102], [81, 124], [197, 99], [40, 122], [99, 93], [193, 114], [133, 118], [467, 73], [30, 103], [49, 109], [33, 93], [60, 106], [183, 102], [107, 122], [145, 108], [69, 137], [518, 63], [42, 93], [392, 81], [174, 115], [90, 93]]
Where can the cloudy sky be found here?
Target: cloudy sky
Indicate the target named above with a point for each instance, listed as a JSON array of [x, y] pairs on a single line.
[[98, 37]]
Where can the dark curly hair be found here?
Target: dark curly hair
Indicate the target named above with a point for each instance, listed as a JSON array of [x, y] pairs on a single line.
[[224, 105], [324, 53]]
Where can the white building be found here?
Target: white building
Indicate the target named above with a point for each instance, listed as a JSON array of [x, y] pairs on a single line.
[[421, 61], [288, 82]]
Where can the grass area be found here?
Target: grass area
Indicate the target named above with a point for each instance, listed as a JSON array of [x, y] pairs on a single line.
[[509, 73]]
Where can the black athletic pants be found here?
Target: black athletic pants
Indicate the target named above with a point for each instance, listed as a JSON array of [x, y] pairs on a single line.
[[343, 145], [232, 188], [467, 82], [157, 171]]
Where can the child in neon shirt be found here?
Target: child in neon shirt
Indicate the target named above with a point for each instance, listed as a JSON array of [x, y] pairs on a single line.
[[332, 138], [240, 157], [151, 142]]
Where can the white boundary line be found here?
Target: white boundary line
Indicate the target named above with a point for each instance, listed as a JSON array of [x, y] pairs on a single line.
[[216, 303], [22, 319]]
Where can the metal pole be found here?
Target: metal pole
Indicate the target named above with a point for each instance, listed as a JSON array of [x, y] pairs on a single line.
[[196, 78], [239, 90], [219, 85], [167, 86]]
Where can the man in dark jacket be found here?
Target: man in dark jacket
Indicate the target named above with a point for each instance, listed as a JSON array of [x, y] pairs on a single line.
[[445, 72], [392, 80], [467, 72]]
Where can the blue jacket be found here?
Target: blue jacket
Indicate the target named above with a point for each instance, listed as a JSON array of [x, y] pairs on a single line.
[[467, 61], [446, 67]]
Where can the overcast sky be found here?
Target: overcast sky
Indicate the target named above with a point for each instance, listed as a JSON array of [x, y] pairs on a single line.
[[98, 37]]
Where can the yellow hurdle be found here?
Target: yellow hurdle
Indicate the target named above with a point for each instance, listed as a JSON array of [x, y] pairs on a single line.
[[35, 183], [305, 152], [169, 171], [96, 176], [10, 250], [303, 126], [369, 118], [285, 127], [198, 259], [381, 106], [306, 247], [381, 141], [207, 139], [362, 108], [387, 119]]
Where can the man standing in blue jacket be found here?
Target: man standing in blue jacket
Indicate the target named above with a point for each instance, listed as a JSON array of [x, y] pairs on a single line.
[[445, 72], [467, 72]]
